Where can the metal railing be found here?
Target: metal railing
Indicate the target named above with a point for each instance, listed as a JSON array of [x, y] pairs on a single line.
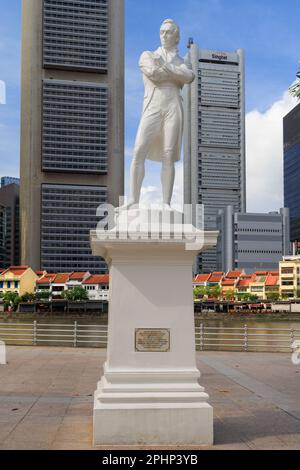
[[37, 334], [75, 335], [246, 338]]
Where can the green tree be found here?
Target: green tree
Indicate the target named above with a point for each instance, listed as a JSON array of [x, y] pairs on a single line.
[[214, 292], [43, 295], [78, 294], [229, 294], [273, 296], [297, 293], [11, 299], [243, 297], [28, 297], [200, 292], [253, 297]]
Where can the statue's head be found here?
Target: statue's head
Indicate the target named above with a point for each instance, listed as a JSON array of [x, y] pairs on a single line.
[[169, 34]]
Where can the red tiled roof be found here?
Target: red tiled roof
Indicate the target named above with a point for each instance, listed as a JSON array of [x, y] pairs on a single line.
[[216, 277], [47, 279], [61, 278], [97, 279], [40, 273], [228, 282], [244, 282], [272, 280], [77, 276], [202, 278], [16, 270], [233, 274]]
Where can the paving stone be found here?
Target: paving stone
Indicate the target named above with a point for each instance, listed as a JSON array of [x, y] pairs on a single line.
[[46, 399]]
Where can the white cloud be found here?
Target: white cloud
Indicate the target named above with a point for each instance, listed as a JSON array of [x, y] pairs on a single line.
[[264, 154], [2, 92]]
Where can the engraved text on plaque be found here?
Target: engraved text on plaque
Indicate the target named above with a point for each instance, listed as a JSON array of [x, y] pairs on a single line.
[[152, 340]]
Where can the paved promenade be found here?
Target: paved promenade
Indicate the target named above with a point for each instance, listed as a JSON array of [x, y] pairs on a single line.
[[46, 398]]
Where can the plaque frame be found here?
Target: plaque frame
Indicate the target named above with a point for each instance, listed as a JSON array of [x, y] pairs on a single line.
[[165, 330]]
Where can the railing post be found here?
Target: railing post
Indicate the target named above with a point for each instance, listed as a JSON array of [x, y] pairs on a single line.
[[201, 337], [75, 334], [292, 336], [34, 333], [246, 338]]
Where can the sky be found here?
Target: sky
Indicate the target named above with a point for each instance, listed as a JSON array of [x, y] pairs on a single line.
[[268, 31]]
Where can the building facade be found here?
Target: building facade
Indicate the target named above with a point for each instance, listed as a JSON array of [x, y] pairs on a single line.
[[9, 226], [289, 275], [252, 242], [7, 180], [18, 279], [72, 127], [291, 124], [214, 168]]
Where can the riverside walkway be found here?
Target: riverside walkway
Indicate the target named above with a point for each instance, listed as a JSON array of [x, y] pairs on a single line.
[[46, 399]]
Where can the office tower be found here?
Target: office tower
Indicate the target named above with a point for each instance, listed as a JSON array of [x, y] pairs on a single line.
[[72, 129], [291, 124], [6, 180], [214, 167], [9, 226], [252, 242]]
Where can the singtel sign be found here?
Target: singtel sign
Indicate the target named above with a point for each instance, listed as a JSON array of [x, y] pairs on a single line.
[[220, 56]]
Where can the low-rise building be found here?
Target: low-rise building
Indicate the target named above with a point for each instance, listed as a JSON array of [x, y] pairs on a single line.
[[289, 276], [97, 287], [252, 241], [215, 279], [201, 280], [76, 279], [18, 279], [243, 285]]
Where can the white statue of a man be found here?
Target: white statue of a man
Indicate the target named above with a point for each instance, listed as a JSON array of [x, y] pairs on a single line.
[[160, 131]]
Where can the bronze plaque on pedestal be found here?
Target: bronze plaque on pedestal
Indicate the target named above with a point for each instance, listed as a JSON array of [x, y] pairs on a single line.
[[152, 340]]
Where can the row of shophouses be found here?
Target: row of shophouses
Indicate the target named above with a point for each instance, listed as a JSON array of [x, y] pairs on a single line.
[[23, 280], [285, 282]]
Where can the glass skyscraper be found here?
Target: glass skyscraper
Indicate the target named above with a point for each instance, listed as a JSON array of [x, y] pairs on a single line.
[[292, 169]]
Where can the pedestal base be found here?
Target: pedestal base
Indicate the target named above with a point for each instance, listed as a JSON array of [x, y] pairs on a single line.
[[191, 425], [150, 392]]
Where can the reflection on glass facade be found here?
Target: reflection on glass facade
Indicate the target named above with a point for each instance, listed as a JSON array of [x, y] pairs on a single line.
[[76, 34], [9, 226], [292, 169], [74, 126], [68, 215]]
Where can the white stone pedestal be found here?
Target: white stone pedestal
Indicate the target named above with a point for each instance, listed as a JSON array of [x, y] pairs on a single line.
[[149, 393]]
